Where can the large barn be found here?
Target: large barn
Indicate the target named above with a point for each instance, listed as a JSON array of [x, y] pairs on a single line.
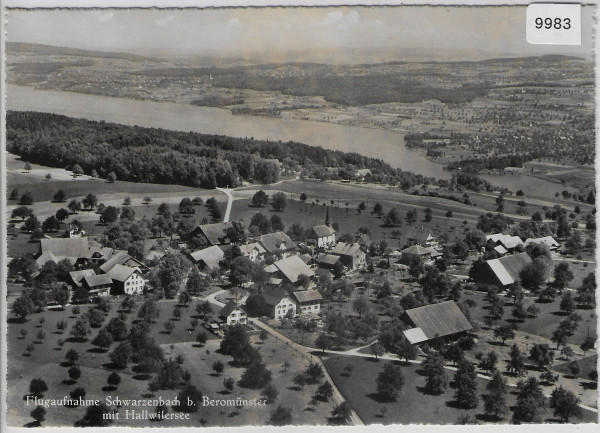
[[443, 320], [502, 272]]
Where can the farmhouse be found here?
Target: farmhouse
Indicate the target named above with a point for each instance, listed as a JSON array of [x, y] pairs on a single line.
[[76, 277], [97, 284], [502, 272], [126, 280], [421, 235], [279, 302], [308, 301], [277, 243], [292, 267], [325, 235], [351, 255], [122, 258], [426, 253], [364, 240], [253, 251], [208, 258], [232, 314], [327, 261], [443, 320], [215, 233], [75, 250], [507, 241], [546, 240]]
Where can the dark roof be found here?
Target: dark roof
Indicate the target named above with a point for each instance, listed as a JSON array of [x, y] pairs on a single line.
[[507, 268], [323, 231], [211, 256], [69, 247], [276, 241], [227, 309], [98, 280], [344, 249], [438, 320], [364, 239], [215, 233], [292, 267], [117, 259], [417, 249], [77, 276], [419, 233], [307, 295], [273, 295], [328, 259], [121, 272]]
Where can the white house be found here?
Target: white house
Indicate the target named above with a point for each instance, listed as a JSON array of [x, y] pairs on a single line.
[[308, 301], [126, 280], [279, 302], [232, 314], [325, 235], [253, 251]]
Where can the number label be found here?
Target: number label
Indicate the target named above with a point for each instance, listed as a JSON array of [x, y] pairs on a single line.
[[555, 24]]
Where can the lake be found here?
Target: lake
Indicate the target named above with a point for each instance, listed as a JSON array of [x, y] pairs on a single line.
[[386, 145]]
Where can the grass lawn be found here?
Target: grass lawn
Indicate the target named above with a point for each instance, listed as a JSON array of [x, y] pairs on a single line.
[[412, 404]]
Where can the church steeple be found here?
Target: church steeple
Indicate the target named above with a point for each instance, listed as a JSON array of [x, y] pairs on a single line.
[[327, 219]]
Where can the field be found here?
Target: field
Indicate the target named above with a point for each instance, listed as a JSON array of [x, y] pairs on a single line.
[[413, 405]]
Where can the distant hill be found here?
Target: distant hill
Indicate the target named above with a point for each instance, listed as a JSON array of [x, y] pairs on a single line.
[[42, 49]]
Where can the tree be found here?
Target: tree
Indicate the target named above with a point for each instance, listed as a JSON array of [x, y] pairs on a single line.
[[260, 199], [81, 329], [241, 270], [270, 393], [22, 212], [23, 305], [565, 404], [37, 387], [74, 372], [533, 310], [113, 379], [495, 401], [534, 274], [72, 356], [390, 381], [26, 199], [31, 224], [466, 385], [14, 194], [377, 349], [112, 177], [567, 303], [541, 355], [74, 206], [279, 201], [122, 354], [562, 275], [360, 305], [103, 340], [488, 361], [531, 402], [218, 367], [281, 416], [255, 376], [28, 167], [393, 218], [342, 411], [433, 367], [89, 201], [149, 311], [95, 317], [504, 332], [38, 414]]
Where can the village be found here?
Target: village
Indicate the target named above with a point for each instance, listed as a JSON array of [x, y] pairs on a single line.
[[449, 318]]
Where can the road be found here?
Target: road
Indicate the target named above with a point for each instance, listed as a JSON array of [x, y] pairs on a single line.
[[227, 191]]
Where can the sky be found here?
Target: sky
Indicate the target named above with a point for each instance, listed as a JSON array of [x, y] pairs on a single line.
[[485, 31]]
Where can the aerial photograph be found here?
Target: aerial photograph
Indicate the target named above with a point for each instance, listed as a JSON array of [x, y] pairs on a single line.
[[315, 216]]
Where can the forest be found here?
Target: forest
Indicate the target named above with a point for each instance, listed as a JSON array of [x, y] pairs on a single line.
[[153, 155]]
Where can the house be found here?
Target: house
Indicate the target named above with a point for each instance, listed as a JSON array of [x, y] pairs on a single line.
[[215, 233], [327, 261], [232, 314], [323, 274], [500, 250], [77, 232], [325, 235], [443, 320], [97, 284], [352, 255], [279, 302], [308, 301], [292, 267], [503, 271], [122, 258], [126, 280], [421, 235], [507, 241], [207, 258], [364, 240], [76, 277], [546, 240], [277, 243], [154, 256], [75, 250], [424, 253], [253, 251]]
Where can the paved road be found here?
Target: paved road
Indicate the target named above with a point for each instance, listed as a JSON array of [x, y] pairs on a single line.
[[227, 191]]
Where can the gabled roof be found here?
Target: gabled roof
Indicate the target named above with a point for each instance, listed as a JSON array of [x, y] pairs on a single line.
[[419, 234], [324, 273], [98, 280], [307, 295], [305, 258], [328, 259], [46, 256], [246, 249], [215, 233], [507, 268], [292, 267], [77, 276], [154, 255], [273, 295], [418, 250], [547, 240], [121, 273], [415, 335], [509, 242], [344, 249], [323, 230], [364, 239], [119, 258], [277, 241], [500, 250], [69, 247], [439, 320], [228, 309], [271, 269], [211, 256]]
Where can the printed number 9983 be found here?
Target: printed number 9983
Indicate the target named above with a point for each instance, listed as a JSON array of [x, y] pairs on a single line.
[[556, 23]]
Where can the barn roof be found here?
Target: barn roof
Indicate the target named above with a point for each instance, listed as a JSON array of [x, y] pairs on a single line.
[[215, 233], [328, 259], [246, 249], [415, 335], [69, 247], [211, 256], [307, 295], [121, 273], [273, 295], [507, 268], [77, 276], [438, 320], [273, 242], [547, 240], [97, 280], [344, 249], [418, 250], [509, 242], [292, 267], [323, 230], [419, 234], [117, 259]]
